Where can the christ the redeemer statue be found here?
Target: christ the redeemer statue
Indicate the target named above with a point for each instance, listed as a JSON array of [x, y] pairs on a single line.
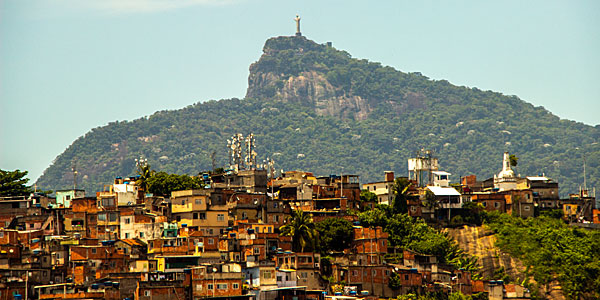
[[297, 19]]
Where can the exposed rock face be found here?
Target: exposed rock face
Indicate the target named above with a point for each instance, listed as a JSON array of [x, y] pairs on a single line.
[[308, 88], [298, 70]]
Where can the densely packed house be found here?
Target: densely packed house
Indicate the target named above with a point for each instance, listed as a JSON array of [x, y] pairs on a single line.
[[224, 241]]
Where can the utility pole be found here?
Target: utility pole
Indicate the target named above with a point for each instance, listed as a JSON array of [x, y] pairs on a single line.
[[342, 184], [584, 179]]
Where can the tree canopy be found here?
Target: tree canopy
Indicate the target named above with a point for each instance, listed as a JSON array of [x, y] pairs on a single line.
[[553, 250], [13, 183], [335, 234], [163, 183]]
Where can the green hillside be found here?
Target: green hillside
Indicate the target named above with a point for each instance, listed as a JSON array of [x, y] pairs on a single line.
[[311, 99]]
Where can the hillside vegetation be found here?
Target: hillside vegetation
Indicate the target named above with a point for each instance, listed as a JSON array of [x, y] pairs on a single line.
[[552, 250], [315, 108]]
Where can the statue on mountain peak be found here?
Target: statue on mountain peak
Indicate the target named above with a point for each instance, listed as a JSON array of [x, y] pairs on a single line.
[[297, 19]]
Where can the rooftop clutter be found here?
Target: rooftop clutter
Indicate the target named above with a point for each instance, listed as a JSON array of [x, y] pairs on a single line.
[[250, 235]]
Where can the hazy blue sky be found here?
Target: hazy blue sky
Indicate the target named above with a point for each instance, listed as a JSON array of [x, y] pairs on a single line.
[[67, 66]]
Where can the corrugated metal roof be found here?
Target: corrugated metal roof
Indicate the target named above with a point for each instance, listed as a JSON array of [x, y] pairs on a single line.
[[537, 178], [441, 173], [443, 191]]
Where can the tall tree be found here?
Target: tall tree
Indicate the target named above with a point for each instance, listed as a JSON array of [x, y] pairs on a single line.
[[13, 183], [301, 228], [145, 175], [400, 189]]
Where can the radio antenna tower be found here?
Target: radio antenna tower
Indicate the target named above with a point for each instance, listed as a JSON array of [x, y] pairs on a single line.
[[250, 152]]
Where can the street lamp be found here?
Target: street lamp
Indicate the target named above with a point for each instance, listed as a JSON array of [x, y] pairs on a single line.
[[214, 270]]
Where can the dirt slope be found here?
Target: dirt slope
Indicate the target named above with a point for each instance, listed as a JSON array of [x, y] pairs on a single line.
[[480, 242]]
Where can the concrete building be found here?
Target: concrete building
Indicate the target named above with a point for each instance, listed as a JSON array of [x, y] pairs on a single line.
[[382, 189]]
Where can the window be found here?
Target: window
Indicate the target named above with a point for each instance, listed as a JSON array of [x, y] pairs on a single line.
[[127, 220], [496, 204], [209, 286], [195, 216], [220, 217], [387, 272], [68, 197], [178, 218], [484, 204], [244, 216], [354, 273], [102, 217], [198, 201], [93, 250], [222, 286], [270, 229], [127, 235], [266, 274], [202, 216], [256, 251], [183, 202], [147, 293], [211, 241], [199, 287], [235, 286], [210, 231], [406, 277], [141, 235], [276, 218], [526, 208], [112, 217], [275, 205]]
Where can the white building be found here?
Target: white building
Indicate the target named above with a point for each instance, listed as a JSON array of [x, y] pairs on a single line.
[[506, 179]]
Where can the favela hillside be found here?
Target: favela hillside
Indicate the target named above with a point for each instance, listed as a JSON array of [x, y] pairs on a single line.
[[333, 178], [248, 231]]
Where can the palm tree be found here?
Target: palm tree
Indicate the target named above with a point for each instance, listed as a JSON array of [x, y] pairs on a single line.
[[301, 228], [400, 189], [145, 174]]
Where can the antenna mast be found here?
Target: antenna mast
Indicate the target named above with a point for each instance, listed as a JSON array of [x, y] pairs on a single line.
[[74, 170]]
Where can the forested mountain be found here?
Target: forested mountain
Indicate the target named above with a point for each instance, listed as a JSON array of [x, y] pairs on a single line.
[[315, 108]]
